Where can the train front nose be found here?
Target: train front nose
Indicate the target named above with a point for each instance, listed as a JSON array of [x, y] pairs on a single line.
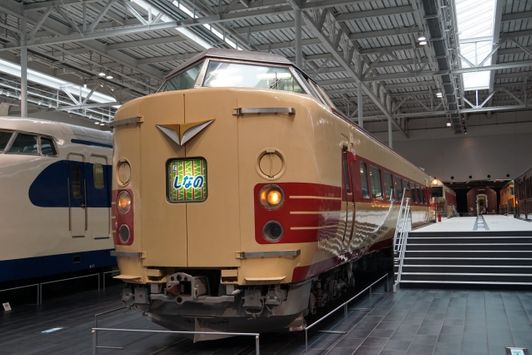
[[185, 208]]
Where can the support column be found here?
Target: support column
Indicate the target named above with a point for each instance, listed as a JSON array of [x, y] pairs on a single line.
[[23, 72], [299, 51], [360, 107], [390, 131]]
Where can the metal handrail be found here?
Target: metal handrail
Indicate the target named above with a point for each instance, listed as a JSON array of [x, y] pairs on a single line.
[[95, 331], [403, 226]]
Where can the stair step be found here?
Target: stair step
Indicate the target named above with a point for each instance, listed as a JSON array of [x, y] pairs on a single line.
[[469, 253], [469, 276], [469, 261], [495, 269], [469, 246], [527, 233], [501, 239], [467, 282]]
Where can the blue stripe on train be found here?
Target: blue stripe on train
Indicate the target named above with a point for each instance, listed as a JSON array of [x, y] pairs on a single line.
[[91, 143], [45, 266], [50, 188]]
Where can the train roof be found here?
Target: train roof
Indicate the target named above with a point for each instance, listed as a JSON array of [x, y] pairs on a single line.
[[58, 130], [232, 54]]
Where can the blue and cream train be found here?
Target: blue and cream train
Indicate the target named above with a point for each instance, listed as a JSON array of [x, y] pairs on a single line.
[[55, 199]]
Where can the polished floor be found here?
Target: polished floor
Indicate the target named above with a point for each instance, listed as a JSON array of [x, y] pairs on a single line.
[[411, 321]]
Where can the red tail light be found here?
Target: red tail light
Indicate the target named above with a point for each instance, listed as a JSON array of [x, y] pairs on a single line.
[[123, 232]]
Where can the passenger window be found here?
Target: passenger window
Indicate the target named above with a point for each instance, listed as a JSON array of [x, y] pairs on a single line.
[[183, 80], [4, 139], [98, 176], [388, 184], [47, 146], [364, 180], [375, 176], [24, 144]]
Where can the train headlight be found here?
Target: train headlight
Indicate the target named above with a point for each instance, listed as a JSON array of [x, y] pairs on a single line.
[[123, 202], [123, 172], [272, 231], [124, 234], [271, 197]]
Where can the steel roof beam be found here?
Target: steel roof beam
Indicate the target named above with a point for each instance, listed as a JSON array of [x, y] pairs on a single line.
[[145, 42], [389, 11], [287, 44], [51, 3], [345, 58], [384, 33]]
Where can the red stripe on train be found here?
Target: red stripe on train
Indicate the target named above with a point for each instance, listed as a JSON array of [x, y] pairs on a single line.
[[307, 208], [304, 272]]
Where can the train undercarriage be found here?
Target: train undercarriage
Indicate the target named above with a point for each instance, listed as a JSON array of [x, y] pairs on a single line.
[[195, 300]]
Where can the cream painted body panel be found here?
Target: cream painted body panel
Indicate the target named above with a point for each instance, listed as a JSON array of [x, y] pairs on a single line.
[[216, 230]]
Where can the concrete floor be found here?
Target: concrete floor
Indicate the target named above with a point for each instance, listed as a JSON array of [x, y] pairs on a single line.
[[411, 321]]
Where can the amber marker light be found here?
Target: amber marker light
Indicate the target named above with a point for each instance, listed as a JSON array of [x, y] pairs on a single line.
[[271, 196], [123, 202]]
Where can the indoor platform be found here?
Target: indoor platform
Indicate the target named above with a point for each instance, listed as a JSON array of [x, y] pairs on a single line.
[[411, 321], [467, 224]]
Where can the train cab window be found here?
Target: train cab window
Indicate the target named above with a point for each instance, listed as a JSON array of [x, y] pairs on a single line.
[[225, 74], [183, 80], [375, 177], [4, 139], [98, 176], [24, 144], [364, 180], [388, 184], [47, 146]]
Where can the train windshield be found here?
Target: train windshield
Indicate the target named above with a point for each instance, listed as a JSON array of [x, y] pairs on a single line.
[[183, 80], [226, 74], [4, 139]]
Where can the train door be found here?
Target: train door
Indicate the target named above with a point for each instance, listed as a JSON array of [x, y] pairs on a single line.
[[77, 211], [348, 200], [98, 197]]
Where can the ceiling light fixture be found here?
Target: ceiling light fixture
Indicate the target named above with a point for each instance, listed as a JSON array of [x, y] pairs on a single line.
[[109, 77], [448, 124], [439, 95], [102, 74]]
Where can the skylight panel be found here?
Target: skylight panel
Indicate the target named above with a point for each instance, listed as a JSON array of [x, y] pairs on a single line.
[[476, 22]]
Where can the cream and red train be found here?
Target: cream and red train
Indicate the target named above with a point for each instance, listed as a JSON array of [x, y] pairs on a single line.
[[242, 200], [56, 197]]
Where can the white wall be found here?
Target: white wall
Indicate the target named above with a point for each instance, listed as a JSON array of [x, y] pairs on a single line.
[[497, 145]]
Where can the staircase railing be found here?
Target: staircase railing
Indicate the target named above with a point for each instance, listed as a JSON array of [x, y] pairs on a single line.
[[403, 226]]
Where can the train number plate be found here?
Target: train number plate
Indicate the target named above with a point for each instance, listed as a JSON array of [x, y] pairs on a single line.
[[187, 180]]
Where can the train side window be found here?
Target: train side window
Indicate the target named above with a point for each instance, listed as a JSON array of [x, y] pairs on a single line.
[[364, 180], [388, 184], [375, 176], [4, 139], [47, 146], [98, 176], [24, 144]]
